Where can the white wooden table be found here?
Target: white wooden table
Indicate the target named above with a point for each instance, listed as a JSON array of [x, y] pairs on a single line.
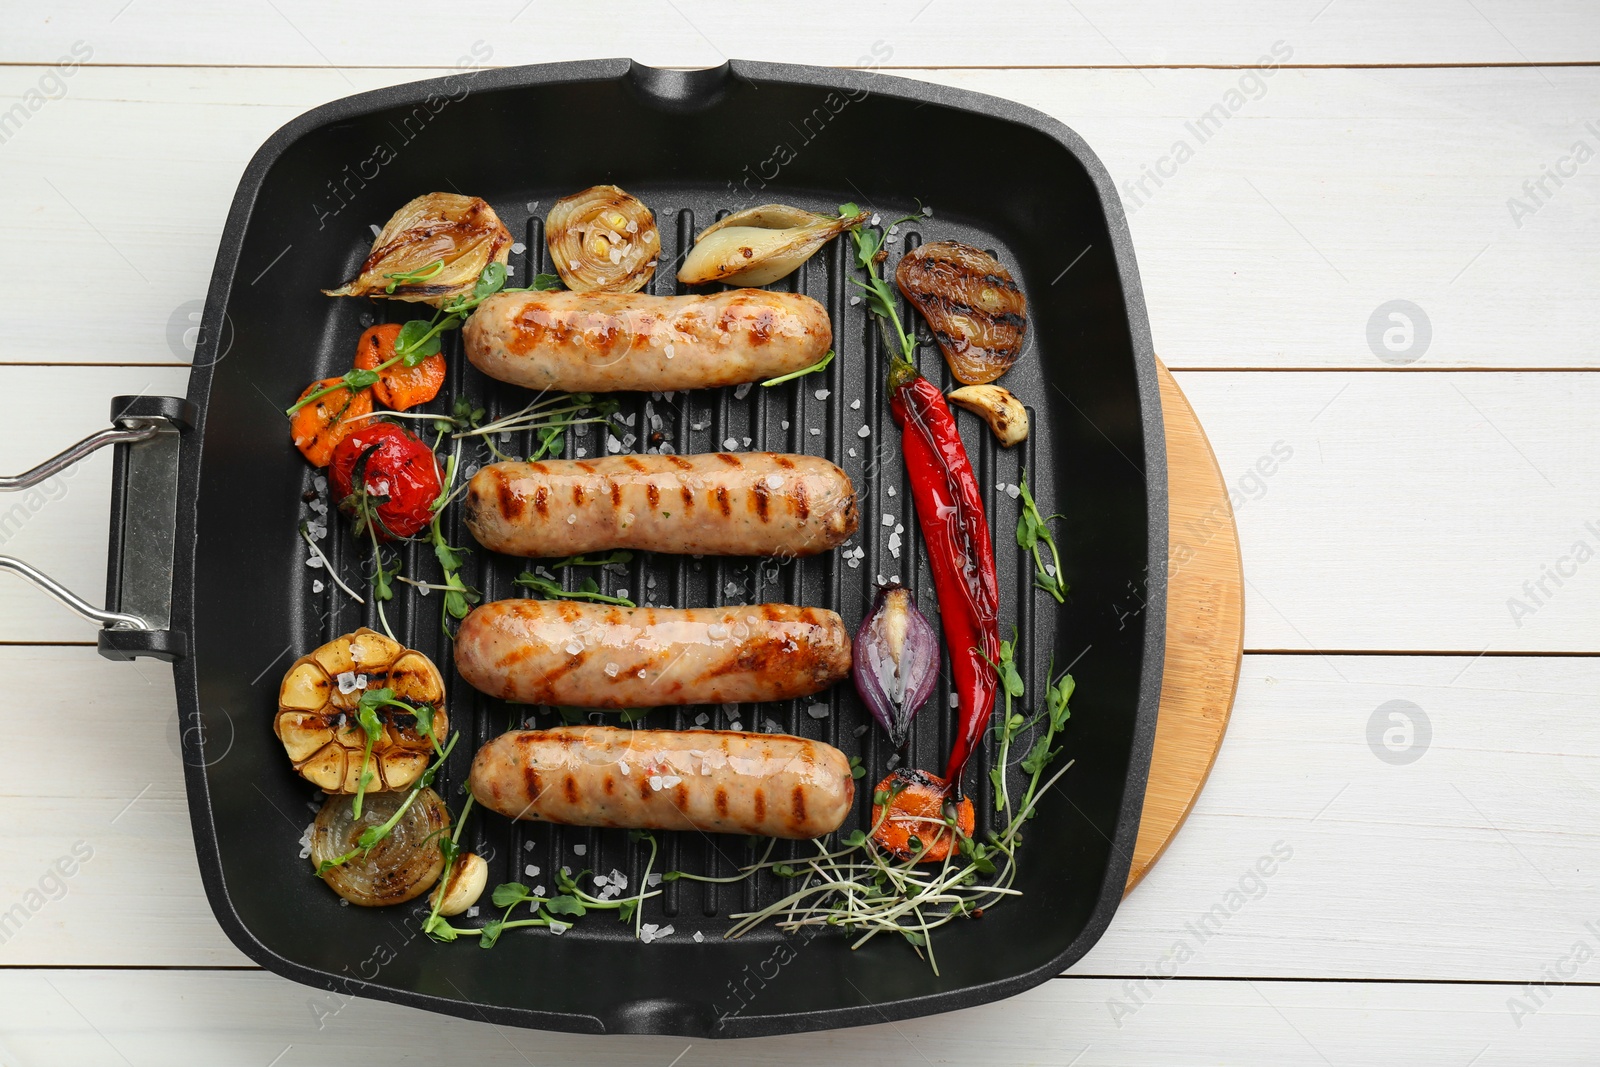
[[1433, 488]]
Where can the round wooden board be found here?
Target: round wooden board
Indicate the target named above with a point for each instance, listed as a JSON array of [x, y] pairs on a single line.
[[1205, 629]]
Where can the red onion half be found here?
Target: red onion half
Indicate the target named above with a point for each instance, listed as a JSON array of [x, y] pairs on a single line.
[[896, 661]]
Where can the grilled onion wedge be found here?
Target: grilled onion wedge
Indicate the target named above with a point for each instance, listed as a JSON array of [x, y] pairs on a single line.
[[431, 251], [759, 245], [977, 313]]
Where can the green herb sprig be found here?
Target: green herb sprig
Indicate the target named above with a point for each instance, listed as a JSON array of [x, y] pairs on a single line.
[[1033, 530], [792, 375]]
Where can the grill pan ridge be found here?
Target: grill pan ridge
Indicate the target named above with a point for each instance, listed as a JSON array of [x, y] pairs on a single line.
[[1096, 454]]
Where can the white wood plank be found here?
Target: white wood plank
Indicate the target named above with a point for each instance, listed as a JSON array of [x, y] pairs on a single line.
[[1332, 194], [920, 32], [1413, 509], [61, 526], [1471, 863], [176, 1018]]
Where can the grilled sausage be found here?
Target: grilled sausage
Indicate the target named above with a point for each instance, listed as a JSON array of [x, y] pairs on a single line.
[[608, 342], [598, 656], [716, 781], [756, 504]]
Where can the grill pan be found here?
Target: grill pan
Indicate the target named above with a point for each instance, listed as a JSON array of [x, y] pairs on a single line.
[[210, 491]]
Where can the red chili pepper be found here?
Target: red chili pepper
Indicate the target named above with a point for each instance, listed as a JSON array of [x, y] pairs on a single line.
[[960, 551]]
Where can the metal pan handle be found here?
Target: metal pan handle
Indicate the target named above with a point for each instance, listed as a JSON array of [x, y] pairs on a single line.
[[137, 618]]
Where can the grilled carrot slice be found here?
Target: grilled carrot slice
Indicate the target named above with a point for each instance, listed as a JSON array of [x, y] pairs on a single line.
[[914, 824], [399, 387], [318, 427]]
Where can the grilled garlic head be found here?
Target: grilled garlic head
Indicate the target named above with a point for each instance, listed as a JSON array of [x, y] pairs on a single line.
[[603, 240], [759, 245], [999, 407], [432, 250], [317, 706]]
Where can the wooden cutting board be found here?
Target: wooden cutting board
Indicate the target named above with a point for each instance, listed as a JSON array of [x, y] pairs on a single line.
[[1205, 629]]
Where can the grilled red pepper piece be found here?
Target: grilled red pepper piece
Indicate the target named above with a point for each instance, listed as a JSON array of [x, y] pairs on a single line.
[[960, 551]]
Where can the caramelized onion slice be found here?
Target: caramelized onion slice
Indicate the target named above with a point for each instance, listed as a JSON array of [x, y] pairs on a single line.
[[401, 867], [759, 245], [460, 232], [977, 313], [603, 240]]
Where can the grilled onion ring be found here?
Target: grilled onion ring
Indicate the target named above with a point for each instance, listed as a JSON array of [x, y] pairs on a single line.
[[399, 868], [603, 240]]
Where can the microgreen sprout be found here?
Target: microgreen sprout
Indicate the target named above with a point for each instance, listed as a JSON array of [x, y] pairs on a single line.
[[421, 274], [1032, 531], [802, 372], [372, 835]]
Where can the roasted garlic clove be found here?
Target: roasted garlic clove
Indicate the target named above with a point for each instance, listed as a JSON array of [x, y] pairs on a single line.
[[431, 251], [759, 245], [1000, 409], [461, 888]]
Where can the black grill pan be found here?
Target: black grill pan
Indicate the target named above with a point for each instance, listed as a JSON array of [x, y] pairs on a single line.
[[693, 145]]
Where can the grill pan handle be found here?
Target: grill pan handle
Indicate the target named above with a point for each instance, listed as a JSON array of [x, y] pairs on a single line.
[[137, 618]]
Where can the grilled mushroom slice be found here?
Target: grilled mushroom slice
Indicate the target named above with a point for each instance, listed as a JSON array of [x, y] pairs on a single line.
[[317, 712], [431, 251], [603, 240], [977, 313]]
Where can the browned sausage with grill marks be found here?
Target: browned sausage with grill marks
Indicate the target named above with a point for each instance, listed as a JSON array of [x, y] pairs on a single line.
[[598, 656], [610, 342], [715, 781], [751, 504]]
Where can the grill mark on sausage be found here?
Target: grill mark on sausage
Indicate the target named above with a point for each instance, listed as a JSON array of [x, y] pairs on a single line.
[[761, 493], [680, 796], [616, 494], [541, 500], [530, 780], [759, 799], [586, 467], [569, 786], [609, 785], [798, 802], [679, 462], [577, 494], [688, 497], [723, 504], [652, 493], [721, 801], [761, 329], [783, 461], [632, 462], [510, 499], [729, 459], [802, 503]]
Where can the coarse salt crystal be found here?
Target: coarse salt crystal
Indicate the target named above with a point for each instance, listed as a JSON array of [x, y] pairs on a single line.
[[558, 927], [698, 936], [855, 405], [817, 711], [888, 520], [578, 850], [701, 719], [814, 432], [742, 392], [1013, 491], [822, 394], [955, 700], [472, 912], [350, 681], [612, 669], [619, 879], [517, 248], [653, 878], [316, 585], [622, 765], [736, 726], [623, 592], [891, 490], [731, 444], [784, 424], [854, 300], [531, 871], [851, 451], [314, 561], [747, 442], [716, 631], [601, 880], [305, 841], [572, 520], [527, 846], [574, 647]]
